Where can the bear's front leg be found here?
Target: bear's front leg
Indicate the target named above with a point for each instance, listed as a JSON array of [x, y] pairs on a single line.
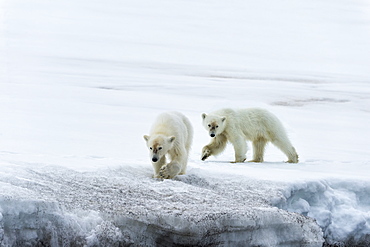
[[206, 152], [215, 147], [240, 148], [157, 166], [170, 170]]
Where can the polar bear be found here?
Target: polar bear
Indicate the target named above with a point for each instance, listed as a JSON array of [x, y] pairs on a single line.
[[171, 135], [253, 124]]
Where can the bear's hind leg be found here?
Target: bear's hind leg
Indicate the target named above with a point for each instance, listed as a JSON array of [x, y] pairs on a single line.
[[286, 147], [258, 149], [293, 156]]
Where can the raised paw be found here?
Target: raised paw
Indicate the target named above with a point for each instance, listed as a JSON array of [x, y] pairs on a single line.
[[164, 172], [206, 153]]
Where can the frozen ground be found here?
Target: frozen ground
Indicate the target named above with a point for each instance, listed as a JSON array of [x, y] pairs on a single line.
[[81, 83]]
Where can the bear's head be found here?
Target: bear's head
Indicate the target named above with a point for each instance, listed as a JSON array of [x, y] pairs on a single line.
[[214, 124], [158, 145]]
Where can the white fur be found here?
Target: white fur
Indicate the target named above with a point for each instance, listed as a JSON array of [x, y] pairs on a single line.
[[170, 138], [253, 124]]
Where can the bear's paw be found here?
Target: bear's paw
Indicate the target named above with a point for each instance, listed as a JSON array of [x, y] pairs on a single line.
[[206, 152], [164, 172]]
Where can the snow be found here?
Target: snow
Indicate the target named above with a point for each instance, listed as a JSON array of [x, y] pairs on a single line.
[[81, 83]]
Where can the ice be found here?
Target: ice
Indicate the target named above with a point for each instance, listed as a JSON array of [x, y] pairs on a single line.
[[81, 83], [125, 206], [338, 207]]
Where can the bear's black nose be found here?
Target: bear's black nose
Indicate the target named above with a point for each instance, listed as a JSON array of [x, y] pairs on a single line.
[[213, 135], [154, 159]]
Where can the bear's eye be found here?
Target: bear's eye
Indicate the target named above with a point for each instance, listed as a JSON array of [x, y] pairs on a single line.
[[151, 148], [216, 126], [209, 125], [160, 148]]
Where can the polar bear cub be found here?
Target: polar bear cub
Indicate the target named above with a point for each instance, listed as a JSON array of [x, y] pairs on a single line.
[[237, 126], [170, 137]]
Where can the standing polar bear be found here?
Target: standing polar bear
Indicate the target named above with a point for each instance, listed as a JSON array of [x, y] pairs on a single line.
[[237, 126], [171, 135]]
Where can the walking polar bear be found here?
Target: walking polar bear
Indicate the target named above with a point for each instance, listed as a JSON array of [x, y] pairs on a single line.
[[171, 135], [237, 126]]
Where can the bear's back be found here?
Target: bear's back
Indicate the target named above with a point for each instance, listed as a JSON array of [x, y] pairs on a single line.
[[173, 124]]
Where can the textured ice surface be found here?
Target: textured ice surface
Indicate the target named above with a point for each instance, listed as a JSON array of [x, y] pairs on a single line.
[[341, 208], [62, 207]]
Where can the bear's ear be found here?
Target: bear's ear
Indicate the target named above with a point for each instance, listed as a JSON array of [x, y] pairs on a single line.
[[223, 119], [171, 139], [204, 115], [146, 138]]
